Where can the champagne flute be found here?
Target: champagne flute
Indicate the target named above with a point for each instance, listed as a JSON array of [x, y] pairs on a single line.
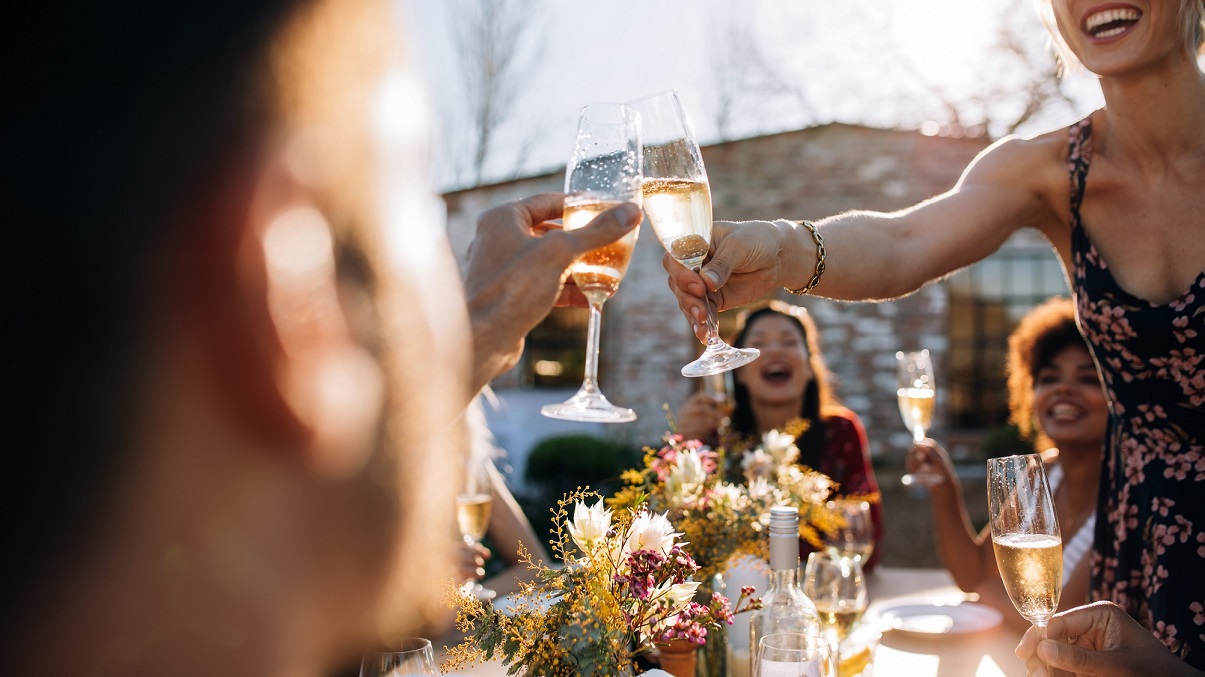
[[794, 655], [677, 200], [1026, 536], [855, 538], [836, 586], [413, 657], [604, 171], [917, 395], [473, 505]]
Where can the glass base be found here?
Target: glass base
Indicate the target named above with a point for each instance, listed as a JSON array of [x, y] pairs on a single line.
[[717, 360], [590, 408]]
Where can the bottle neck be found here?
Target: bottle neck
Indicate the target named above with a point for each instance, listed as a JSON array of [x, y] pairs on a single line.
[[781, 579], [784, 555]]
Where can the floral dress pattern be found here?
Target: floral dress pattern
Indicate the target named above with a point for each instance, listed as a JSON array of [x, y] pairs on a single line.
[[1150, 538]]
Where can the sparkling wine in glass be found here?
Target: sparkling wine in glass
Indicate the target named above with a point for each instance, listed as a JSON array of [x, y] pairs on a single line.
[[1025, 535], [414, 656], [604, 172], [794, 655], [917, 395], [473, 504], [677, 200], [855, 537], [836, 586]]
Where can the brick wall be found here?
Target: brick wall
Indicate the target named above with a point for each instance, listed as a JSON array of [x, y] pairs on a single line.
[[803, 174]]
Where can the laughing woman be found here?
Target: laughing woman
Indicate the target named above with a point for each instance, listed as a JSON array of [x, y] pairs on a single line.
[[1054, 395], [790, 381]]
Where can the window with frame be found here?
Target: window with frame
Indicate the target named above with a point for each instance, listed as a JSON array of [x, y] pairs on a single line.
[[986, 301]]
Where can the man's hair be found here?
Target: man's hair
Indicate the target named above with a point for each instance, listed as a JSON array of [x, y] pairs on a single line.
[[116, 114]]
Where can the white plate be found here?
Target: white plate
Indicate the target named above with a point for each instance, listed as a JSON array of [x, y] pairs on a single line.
[[935, 620]]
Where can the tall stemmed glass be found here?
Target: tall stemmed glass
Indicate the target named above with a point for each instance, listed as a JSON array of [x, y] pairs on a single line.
[[677, 200], [917, 394], [1026, 536], [855, 537], [836, 586], [473, 504], [604, 171]]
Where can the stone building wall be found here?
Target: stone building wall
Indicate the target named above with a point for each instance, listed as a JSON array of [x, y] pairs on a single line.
[[803, 174]]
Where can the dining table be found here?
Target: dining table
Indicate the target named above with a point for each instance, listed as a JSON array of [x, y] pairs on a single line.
[[910, 613]]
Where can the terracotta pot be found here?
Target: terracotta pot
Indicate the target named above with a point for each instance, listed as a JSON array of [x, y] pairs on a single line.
[[678, 657]]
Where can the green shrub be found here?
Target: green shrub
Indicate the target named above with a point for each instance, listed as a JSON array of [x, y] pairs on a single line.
[[562, 463], [1005, 440]]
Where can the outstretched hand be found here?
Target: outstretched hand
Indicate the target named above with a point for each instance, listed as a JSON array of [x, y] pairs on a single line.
[[517, 273], [1099, 640], [748, 259]]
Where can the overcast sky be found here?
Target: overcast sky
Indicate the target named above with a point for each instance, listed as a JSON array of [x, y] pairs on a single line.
[[875, 62]]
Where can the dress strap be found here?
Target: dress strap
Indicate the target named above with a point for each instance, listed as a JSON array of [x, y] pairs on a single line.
[[1079, 156]]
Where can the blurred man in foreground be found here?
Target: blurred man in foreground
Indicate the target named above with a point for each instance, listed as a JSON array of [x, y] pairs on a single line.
[[222, 405]]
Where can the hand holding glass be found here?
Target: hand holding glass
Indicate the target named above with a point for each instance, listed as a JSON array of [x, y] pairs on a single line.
[[473, 513], [917, 395], [604, 171], [677, 200], [1026, 536]]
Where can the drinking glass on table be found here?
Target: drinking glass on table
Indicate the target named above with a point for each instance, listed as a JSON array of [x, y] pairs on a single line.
[[794, 655], [917, 395], [836, 586], [855, 537], [413, 657], [677, 200], [473, 504], [1026, 536], [604, 171]]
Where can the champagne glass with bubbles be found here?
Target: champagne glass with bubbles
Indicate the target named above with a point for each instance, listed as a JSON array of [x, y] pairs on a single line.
[[473, 506], [604, 171], [677, 200], [917, 394], [1026, 536]]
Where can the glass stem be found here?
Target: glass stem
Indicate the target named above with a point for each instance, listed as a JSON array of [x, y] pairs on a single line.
[[590, 381], [713, 330]]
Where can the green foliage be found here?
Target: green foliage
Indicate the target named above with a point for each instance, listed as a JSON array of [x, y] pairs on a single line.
[[559, 464]]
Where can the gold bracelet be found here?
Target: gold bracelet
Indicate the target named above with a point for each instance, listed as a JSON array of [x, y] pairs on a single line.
[[820, 254]]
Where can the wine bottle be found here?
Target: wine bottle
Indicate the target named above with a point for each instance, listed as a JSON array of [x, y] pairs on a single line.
[[784, 606]]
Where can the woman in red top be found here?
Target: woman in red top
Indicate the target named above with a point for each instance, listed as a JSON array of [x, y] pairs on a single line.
[[790, 381]]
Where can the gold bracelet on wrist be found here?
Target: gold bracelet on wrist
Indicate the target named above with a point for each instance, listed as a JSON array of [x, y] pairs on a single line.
[[820, 254]]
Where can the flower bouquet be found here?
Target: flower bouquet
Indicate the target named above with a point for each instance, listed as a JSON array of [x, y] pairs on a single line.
[[625, 586], [720, 518]]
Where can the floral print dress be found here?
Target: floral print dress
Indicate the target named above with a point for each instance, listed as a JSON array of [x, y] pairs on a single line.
[[1149, 549]]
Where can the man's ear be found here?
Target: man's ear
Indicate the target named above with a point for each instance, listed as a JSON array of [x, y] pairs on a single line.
[[274, 332]]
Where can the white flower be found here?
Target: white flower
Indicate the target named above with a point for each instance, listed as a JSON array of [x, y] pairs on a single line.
[[781, 447], [589, 525], [650, 532], [680, 594], [686, 474], [728, 496], [758, 465]]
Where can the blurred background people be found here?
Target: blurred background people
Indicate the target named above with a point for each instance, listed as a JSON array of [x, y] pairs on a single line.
[[1055, 399], [789, 381]]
